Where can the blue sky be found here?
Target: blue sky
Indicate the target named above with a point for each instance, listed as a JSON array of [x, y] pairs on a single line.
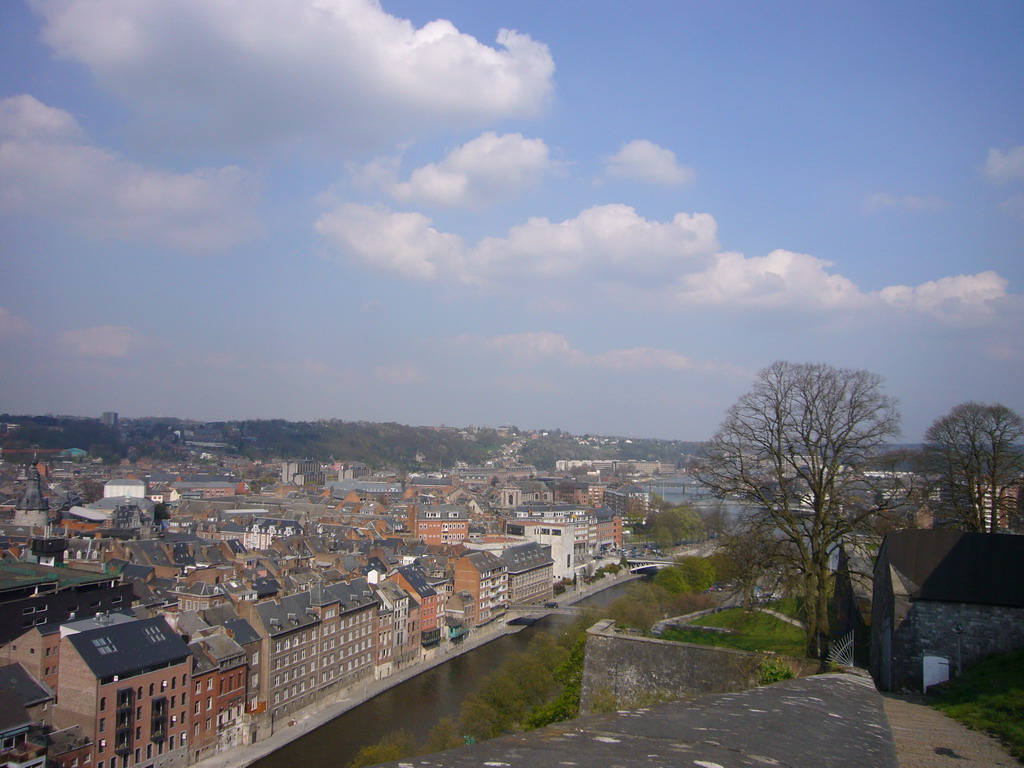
[[598, 216]]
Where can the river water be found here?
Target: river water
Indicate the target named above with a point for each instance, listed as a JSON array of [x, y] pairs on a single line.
[[417, 704]]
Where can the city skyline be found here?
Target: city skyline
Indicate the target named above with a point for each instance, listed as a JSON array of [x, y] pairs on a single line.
[[598, 218]]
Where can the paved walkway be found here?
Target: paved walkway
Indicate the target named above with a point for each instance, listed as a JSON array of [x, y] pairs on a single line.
[[824, 721], [926, 738]]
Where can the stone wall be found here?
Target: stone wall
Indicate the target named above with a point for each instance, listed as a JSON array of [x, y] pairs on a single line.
[[626, 670], [930, 629]]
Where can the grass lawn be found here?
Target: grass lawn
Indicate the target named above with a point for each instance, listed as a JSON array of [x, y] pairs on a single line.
[[755, 631], [990, 697]]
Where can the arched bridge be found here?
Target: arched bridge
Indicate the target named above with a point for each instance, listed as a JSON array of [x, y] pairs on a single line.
[[533, 609], [646, 564]]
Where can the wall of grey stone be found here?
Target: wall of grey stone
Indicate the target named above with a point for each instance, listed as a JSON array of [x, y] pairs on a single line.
[[624, 670], [929, 628]]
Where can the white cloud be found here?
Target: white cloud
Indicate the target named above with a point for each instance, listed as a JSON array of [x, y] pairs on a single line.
[[46, 171], [603, 242], [114, 341], [403, 243], [237, 73], [482, 171], [969, 295], [643, 160], [11, 324], [1003, 166], [24, 118], [611, 251], [779, 280], [880, 201]]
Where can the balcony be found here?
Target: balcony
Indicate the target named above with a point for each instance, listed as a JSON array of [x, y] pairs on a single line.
[[123, 741], [24, 755]]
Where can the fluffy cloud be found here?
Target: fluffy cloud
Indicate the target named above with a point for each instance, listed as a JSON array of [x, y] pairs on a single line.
[[1003, 166], [403, 243], [675, 263], [881, 201], [787, 280], [47, 171], [643, 160], [487, 169], [112, 341], [970, 295], [337, 71], [606, 242], [24, 118], [779, 280]]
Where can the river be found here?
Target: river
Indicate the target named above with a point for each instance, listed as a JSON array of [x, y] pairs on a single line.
[[417, 704]]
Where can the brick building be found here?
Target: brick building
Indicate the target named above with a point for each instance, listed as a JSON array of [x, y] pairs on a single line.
[[127, 685], [484, 577]]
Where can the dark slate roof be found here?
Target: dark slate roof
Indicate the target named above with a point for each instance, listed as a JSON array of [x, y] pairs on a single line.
[[351, 595], [29, 690], [266, 586], [124, 649], [287, 614], [135, 571], [959, 567], [417, 580], [526, 556], [13, 715], [242, 631]]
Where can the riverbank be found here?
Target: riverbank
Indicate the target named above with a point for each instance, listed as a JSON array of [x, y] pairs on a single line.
[[330, 707]]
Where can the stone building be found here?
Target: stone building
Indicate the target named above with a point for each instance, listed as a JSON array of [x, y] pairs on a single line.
[[942, 601]]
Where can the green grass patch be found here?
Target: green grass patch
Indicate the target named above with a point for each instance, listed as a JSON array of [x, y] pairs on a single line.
[[787, 605], [989, 697], [754, 631]]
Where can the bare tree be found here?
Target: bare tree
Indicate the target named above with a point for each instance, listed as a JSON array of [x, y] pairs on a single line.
[[749, 557], [974, 452], [798, 447]]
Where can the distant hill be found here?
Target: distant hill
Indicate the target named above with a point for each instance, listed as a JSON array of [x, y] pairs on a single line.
[[23, 433]]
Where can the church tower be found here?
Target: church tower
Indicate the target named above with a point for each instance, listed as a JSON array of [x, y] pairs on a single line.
[[33, 508]]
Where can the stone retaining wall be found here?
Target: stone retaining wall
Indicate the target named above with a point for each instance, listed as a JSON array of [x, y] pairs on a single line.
[[625, 670]]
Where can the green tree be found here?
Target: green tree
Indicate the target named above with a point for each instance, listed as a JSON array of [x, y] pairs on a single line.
[[699, 573], [975, 453], [444, 735], [395, 746], [673, 580], [797, 447]]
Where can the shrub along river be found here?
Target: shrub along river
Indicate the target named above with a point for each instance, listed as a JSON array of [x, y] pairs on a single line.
[[417, 704]]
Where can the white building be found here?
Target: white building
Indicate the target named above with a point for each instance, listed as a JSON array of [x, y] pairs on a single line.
[[125, 488]]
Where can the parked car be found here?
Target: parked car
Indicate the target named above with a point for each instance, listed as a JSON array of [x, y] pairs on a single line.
[[551, 604]]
